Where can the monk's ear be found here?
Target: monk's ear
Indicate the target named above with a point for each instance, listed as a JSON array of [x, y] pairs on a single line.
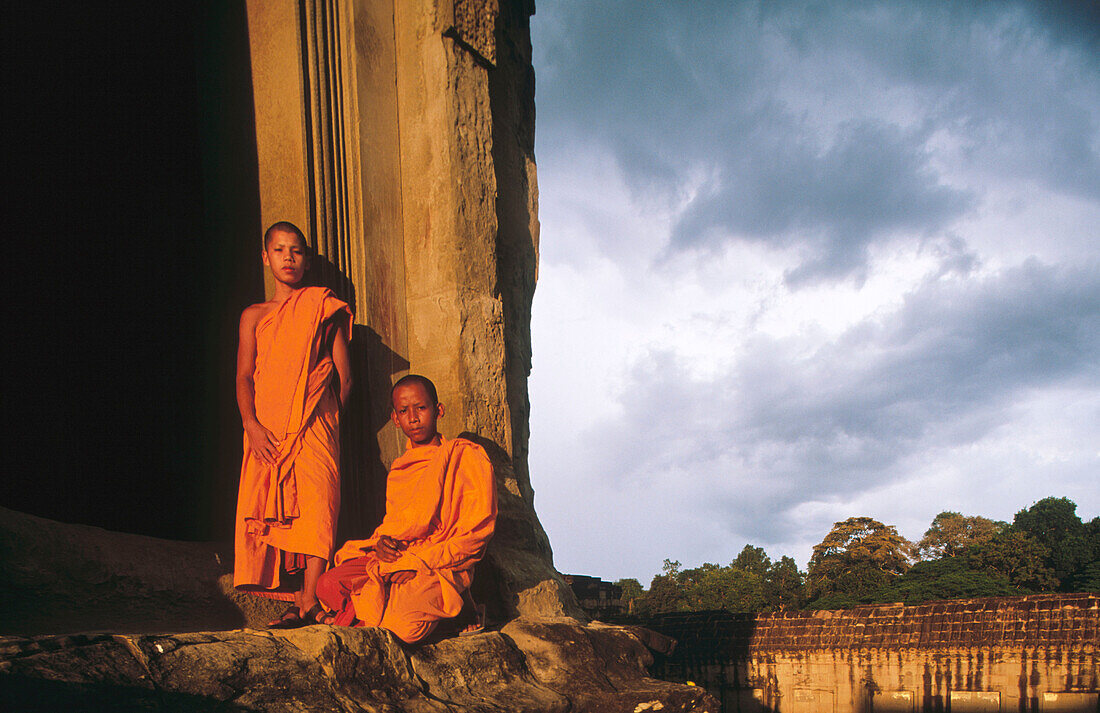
[[393, 417], [263, 256], [439, 410]]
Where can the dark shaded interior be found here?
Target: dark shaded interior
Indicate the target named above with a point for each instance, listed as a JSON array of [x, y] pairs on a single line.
[[134, 201]]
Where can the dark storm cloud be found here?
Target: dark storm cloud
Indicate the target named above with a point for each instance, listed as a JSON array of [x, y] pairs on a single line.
[[940, 371], [690, 104], [1014, 81], [954, 348], [873, 181], [1074, 22]]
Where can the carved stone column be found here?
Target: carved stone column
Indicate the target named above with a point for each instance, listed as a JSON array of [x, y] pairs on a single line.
[[401, 134]]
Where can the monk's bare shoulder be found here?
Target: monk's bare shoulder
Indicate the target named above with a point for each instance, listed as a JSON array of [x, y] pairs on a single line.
[[254, 313]]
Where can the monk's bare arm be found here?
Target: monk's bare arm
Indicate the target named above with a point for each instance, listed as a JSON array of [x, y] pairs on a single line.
[[342, 362], [260, 440]]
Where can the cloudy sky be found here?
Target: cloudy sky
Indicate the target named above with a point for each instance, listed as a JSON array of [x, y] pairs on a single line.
[[803, 261]]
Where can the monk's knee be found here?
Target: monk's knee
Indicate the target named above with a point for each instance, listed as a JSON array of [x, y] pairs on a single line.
[[330, 591], [410, 631]]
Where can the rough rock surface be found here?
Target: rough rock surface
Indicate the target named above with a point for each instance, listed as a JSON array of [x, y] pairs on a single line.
[[60, 578], [530, 665], [72, 578]]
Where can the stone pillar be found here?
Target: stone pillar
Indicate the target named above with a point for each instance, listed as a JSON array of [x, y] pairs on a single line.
[[401, 134]]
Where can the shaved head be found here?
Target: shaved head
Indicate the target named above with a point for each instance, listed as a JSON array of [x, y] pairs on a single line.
[[423, 381], [285, 226]]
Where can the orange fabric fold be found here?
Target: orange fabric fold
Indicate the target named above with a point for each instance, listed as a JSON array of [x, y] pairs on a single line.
[[291, 507], [441, 504]]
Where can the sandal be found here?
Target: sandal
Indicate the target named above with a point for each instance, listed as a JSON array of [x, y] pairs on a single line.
[[315, 615], [291, 618]]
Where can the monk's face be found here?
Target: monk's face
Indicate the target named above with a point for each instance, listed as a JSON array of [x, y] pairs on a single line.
[[416, 414], [287, 257]]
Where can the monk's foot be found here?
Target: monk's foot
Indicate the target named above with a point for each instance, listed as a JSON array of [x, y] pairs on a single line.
[[291, 618], [316, 615], [478, 624]]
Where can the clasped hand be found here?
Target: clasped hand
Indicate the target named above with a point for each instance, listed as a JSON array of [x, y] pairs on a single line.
[[262, 442], [388, 550]]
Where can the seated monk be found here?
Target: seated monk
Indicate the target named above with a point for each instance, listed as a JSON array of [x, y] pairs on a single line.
[[417, 566]]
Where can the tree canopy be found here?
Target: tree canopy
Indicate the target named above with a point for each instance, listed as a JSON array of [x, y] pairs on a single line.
[[750, 583], [858, 556], [863, 561], [1054, 524], [1019, 557], [945, 578], [952, 533]]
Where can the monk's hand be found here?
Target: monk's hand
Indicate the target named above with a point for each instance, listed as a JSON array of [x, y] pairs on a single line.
[[401, 576], [387, 548], [262, 442]]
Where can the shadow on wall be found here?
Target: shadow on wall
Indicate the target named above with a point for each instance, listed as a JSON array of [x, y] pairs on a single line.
[[512, 101], [489, 586], [517, 557], [707, 642], [137, 174], [362, 468]]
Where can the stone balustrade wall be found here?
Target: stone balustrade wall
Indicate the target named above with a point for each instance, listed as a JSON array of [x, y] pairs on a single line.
[[1026, 654]]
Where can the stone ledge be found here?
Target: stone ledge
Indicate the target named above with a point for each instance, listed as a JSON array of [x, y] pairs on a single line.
[[552, 665]]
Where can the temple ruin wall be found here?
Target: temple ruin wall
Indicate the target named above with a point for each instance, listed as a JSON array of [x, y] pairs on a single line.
[[1033, 653]]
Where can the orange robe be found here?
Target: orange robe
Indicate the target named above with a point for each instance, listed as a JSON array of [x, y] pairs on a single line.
[[291, 507], [441, 505]]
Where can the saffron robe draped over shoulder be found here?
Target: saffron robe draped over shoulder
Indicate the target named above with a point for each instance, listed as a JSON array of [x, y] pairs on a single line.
[[441, 505], [291, 507]]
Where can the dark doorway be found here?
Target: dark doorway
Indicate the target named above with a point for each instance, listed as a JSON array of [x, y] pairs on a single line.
[[133, 245]]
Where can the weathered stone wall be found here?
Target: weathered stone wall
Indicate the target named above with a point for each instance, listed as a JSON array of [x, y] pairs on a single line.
[[1034, 653]]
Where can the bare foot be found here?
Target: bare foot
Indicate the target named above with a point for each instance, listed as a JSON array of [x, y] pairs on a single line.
[[305, 603], [478, 624]]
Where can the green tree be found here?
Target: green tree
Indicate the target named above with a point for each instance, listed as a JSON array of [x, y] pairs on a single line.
[[784, 586], [731, 588], [945, 578], [666, 593], [751, 583], [1089, 578], [631, 592], [858, 556], [753, 559], [1053, 523], [1016, 555], [952, 533]]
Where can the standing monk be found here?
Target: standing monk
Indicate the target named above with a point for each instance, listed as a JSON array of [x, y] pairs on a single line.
[[293, 376], [440, 513]]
